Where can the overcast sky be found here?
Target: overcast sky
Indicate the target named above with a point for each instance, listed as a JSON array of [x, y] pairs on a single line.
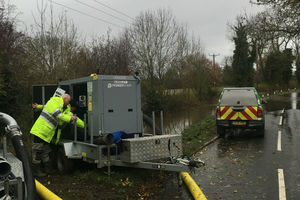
[[206, 19]]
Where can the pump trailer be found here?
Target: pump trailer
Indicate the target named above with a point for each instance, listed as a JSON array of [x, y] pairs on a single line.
[[113, 135]]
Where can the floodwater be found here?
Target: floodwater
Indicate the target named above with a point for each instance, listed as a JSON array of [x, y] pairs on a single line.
[[174, 123], [178, 120], [288, 101]]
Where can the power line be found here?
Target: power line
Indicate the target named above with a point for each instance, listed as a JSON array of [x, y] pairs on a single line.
[[101, 11], [113, 9], [83, 13]]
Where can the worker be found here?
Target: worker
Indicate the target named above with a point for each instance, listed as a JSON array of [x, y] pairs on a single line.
[[56, 110], [70, 110]]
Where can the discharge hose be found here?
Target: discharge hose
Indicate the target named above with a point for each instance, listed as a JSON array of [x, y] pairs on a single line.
[[45, 193], [14, 132], [149, 121]]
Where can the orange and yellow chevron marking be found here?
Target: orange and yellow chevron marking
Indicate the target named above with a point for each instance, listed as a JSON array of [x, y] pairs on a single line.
[[249, 113]]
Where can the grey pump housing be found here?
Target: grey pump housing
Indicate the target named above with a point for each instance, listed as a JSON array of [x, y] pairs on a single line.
[[113, 103]]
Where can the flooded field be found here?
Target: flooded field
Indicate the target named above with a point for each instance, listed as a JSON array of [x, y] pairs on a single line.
[[174, 122]]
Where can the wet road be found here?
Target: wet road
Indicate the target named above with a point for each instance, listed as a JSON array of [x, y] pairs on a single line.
[[247, 166]]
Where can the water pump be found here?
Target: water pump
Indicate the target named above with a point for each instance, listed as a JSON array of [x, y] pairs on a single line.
[[16, 180]]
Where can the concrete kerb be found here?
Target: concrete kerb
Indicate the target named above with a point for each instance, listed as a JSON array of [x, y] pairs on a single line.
[[206, 144]]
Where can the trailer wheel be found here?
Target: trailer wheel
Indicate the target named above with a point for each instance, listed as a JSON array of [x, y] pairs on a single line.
[[63, 164]]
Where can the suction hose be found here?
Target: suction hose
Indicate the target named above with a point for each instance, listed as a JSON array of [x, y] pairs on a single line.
[[5, 167], [14, 132]]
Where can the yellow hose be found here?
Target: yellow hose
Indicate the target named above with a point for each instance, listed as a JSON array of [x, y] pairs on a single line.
[[45, 193], [193, 187]]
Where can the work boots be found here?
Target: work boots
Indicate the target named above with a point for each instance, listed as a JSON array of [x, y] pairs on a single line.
[[48, 168], [42, 170]]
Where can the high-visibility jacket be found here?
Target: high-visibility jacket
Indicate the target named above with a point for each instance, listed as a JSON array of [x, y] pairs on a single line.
[[79, 123], [44, 127], [67, 111]]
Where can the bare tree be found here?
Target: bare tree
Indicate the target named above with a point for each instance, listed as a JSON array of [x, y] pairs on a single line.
[[268, 31], [111, 55], [53, 45], [199, 74], [158, 42], [282, 3], [286, 13]]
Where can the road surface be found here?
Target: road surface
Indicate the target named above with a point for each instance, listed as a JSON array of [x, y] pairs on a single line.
[[250, 167]]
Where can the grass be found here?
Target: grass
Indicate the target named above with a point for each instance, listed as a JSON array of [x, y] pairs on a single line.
[[126, 183], [88, 182], [197, 135]]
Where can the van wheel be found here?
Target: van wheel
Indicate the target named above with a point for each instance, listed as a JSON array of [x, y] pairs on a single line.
[[261, 132], [221, 131]]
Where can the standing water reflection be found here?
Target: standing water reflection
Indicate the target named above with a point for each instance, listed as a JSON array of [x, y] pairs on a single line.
[[294, 100], [287, 101], [176, 121]]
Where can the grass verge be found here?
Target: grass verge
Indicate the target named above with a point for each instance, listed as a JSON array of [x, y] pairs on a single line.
[[197, 135]]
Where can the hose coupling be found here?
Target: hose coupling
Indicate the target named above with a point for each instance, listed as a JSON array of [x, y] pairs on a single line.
[[13, 130]]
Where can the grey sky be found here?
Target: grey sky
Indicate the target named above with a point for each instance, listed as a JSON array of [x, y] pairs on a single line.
[[206, 19]]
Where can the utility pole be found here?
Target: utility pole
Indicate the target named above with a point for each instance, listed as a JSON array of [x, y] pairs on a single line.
[[214, 65], [214, 59]]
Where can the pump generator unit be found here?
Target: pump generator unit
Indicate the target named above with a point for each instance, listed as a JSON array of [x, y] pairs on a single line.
[[113, 135]]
